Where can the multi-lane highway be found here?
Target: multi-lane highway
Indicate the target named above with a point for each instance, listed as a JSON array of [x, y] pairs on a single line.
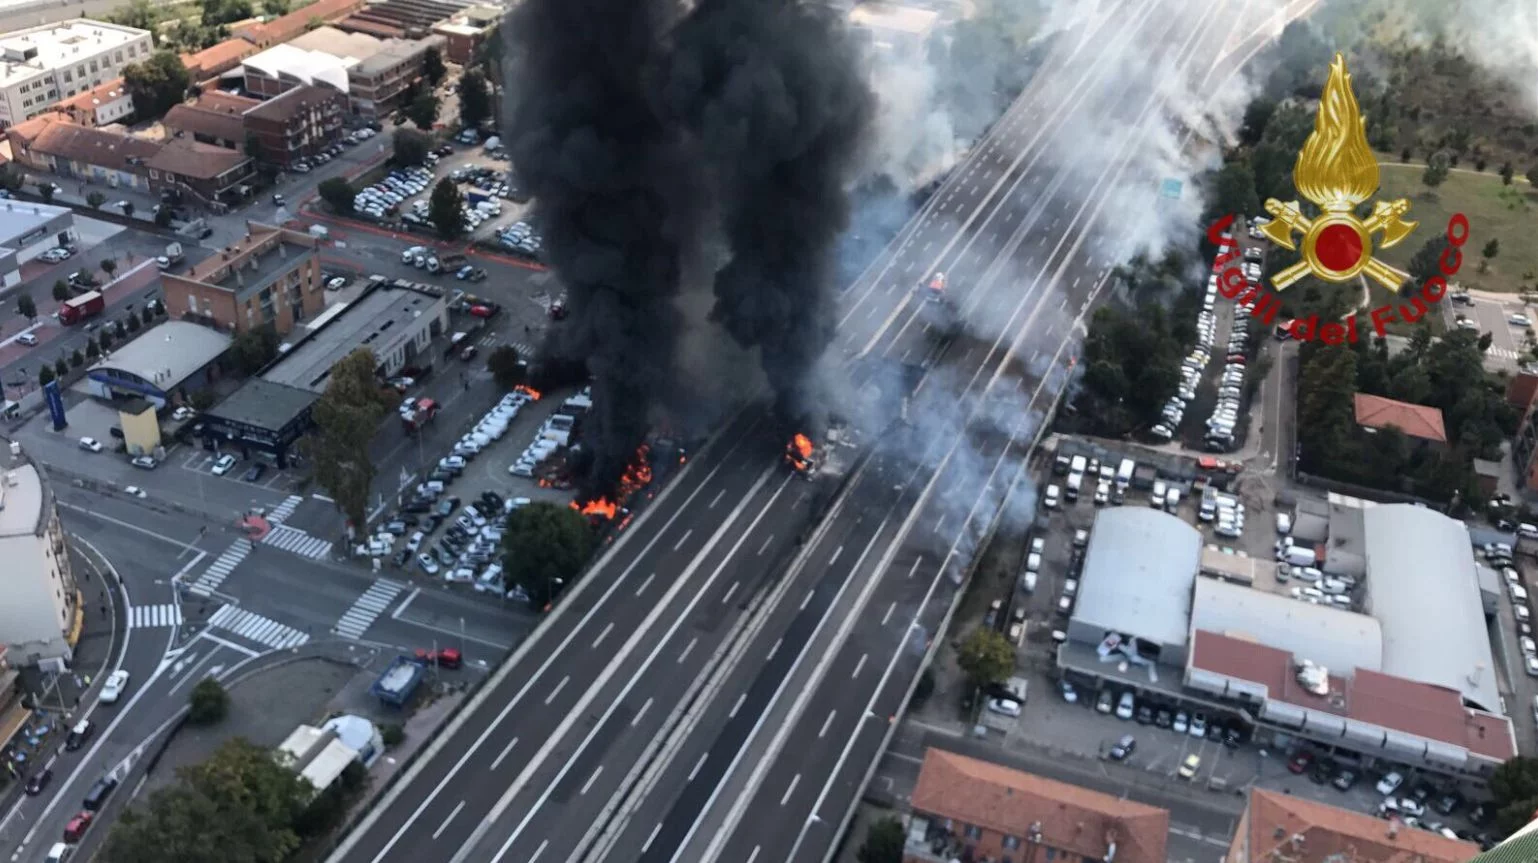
[[718, 660]]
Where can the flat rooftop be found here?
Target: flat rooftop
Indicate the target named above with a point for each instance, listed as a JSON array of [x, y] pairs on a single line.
[[255, 262], [18, 219], [263, 404], [52, 46], [168, 353], [22, 502], [372, 321]]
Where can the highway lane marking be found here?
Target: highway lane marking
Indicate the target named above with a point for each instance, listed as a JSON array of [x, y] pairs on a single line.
[[915, 567], [859, 665], [754, 855], [506, 670], [888, 616], [738, 705], [651, 838], [776, 646], [642, 589], [185, 546], [240, 648], [804, 603], [765, 547], [697, 765], [731, 590], [794, 781], [693, 641], [640, 713], [683, 539], [445, 825], [836, 552], [503, 754], [717, 499], [598, 685], [590, 780], [827, 722], [538, 851], [557, 690], [405, 604], [608, 627]]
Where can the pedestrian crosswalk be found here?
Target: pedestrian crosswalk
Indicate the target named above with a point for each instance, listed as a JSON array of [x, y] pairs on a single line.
[[491, 341], [282, 511], [154, 616], [367, 609], [297, 541], [221, 568], [254, 627], [1502, 353]]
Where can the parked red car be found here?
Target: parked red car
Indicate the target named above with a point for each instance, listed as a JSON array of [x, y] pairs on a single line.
[[1300, 762]]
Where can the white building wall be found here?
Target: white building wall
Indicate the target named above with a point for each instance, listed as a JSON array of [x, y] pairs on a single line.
[[39, 604]]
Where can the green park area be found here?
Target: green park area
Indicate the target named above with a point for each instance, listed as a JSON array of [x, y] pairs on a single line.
[[1494, 210]]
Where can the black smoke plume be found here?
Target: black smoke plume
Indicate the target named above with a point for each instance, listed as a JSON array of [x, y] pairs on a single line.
[[615, 199], [774, 95]]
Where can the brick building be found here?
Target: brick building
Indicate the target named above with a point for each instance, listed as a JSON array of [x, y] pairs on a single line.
[[466, 32], [270, 277], [1421, 424], [215, 60], [296, 23], [298, 124], [1277, 827], [216, 175], [975, 810], [99, 106]]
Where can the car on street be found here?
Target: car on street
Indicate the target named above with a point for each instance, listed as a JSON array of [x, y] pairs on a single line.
[[427, 564], [116, 685], [1299, 763], [1005, 706], [415, 542], [1105, 703], [223, 465], [38, 781], [1189, 766], [27, 339], [1123, 748], [1520, 320], [256, 472], [1125, 706], [135, 491], [147, 462], [78, 735], [1390, 783], [90, 444]]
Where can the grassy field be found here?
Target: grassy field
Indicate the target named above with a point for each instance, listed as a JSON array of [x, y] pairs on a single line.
[[1506, 213]]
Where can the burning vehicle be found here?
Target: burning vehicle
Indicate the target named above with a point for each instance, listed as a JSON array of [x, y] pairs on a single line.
[[802, 455], [935, 290]]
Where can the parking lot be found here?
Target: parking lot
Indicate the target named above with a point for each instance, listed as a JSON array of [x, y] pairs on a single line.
[[1487, 314]]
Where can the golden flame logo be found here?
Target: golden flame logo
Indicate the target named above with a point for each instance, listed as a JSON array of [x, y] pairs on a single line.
[[1336, 171]]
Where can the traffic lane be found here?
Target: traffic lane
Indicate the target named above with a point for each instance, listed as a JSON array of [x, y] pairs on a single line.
[[595, 603], [587, 662], [145, 545], [309, 595], [706, 765], [132, 739], [490, 625], [563, 802], [660, 839], [131, 289], [1492, 318]]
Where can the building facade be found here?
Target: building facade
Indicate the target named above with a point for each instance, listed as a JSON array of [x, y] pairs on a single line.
[[56, 61], [379, 83], [26, 231], [39, 623], [297, 124], [272, 277], [99, 106]]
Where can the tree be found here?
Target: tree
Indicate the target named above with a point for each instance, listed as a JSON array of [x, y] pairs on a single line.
[[128, 209], [61, 291], [1436, 171], [1234, 191], [45, 375], [474, 99], [1507, 174], [411, 147], [1514, 785], [1488, 253], [118, 330], [95, 199], [1426, 262], [446, 209], [92, 349], [25, 307], [1256, 115], [106, 340], [544, 548], [149, 315], [137, 13], [423, 110], [346, 417], [45, 191], [507, 367], [217, 13], [134, 324], [109, 266], [432, 66], [208, 703], [1532, 176], [276, 8], [240, 804], [77, 359], [157, 84], [884, 842], [60, 367], [254, 349], [338, 193], [986, 657]]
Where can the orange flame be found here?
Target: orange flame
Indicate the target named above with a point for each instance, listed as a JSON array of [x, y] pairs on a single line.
[[528, 391], [600, 506], [803, 445]]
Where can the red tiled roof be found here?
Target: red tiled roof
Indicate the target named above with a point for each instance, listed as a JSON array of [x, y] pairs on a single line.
[[27, 131], [196, 120], [92, 146], [283, 107], [1286, 827], [219, 58], [295, 23], [1417, 421], [89, 100], [1073, 819], [230, 103], [1408, 706], [196, 160]]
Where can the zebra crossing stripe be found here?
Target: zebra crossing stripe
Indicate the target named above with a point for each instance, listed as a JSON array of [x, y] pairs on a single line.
[[154, 616], [357, 619], [297, 541], [282, 511], [221, 568], [262, 630]]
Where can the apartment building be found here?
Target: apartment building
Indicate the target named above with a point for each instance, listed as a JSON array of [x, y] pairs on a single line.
[[54, 62], [378, 70], [297, 124], [1282, 827], [39, 623], [272, 276], [99, 106]]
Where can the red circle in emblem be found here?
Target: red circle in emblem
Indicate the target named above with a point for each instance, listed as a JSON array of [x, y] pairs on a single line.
[[1339, 247]]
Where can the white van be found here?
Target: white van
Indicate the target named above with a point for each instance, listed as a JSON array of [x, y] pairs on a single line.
[[1156, 500], [1053, 498], [1299, 555], [1075, 480], [1333, 586], [1033, 562], [59, 853], [1307, 573]]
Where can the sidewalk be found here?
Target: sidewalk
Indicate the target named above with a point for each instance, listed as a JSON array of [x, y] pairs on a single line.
[[74, 194]]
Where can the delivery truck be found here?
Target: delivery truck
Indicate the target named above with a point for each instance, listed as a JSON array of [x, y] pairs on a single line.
[[87, 305]]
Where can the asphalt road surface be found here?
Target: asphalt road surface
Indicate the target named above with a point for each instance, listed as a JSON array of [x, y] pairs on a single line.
[[570, 748]]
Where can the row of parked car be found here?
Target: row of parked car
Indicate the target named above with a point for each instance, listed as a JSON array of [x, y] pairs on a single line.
[[390, 192]]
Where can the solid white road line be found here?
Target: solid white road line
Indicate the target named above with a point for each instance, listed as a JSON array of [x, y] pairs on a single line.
[[506, 749], [445, 825]]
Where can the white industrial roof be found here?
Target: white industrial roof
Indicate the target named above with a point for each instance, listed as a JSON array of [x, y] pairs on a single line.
[[58, 45], [310, 67], [1337, 639], [1137, 574], [1423, 588], [167, 354], [325, 767]]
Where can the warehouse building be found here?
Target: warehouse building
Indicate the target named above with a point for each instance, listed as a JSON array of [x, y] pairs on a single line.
[[175, 356], [1409, 682]]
